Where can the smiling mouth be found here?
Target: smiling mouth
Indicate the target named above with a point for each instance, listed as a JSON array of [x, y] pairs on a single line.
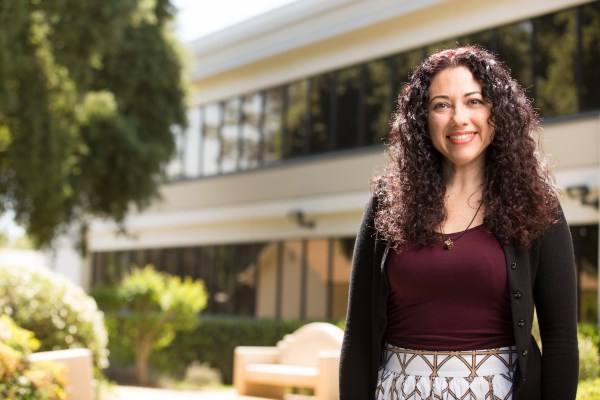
[[461, 137]]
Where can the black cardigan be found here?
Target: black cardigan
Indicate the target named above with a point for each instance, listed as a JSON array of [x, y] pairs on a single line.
[[542, 275]]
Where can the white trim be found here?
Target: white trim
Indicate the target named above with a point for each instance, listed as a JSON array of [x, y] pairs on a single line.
[[291, 27], [334, 215], [306, 22]]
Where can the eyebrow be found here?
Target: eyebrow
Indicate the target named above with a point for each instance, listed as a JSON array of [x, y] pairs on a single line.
[[446, 97]]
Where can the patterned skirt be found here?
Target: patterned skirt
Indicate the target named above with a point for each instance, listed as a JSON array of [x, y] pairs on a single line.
[[446, 375]]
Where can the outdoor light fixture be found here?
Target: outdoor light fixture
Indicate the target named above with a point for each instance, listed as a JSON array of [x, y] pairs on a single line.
[[581, 193], [298, 217]]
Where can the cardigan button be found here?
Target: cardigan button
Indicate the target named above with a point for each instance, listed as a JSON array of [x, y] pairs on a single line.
[[513, 265], [517, 295], [524, 352], [521, 323]]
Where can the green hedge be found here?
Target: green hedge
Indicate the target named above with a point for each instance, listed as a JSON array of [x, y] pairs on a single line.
[[589, 390], [215, 339], [212, 342], [592, 331]]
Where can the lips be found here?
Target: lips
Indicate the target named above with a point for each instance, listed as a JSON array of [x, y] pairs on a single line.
[[461, 137]]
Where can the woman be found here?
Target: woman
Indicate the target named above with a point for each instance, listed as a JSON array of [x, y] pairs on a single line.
[[463, 236]]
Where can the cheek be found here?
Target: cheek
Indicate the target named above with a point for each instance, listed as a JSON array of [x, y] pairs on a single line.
[[434, 124]]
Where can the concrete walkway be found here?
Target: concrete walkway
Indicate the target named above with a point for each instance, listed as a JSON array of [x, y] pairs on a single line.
[[140, 393]]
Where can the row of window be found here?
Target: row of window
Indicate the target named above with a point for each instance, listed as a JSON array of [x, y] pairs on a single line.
[[555, 57], [295, 279]]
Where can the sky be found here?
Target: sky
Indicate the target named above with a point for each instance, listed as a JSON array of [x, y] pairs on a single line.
[[197, 18]]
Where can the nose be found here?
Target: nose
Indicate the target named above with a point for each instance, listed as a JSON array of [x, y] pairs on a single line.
[[460, 115]]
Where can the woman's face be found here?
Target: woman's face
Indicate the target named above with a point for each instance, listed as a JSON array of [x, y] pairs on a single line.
[[458, 118]]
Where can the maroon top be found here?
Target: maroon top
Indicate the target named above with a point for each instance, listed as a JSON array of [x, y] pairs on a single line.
[[450, 299]]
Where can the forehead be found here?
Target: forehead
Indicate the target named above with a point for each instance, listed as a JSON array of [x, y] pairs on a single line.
[[454, 79]]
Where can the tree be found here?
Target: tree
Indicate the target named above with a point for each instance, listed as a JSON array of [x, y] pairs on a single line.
[[159, 305], [89, 93]]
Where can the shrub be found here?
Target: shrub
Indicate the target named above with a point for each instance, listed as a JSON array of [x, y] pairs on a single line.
[[592, 331], [588, 359], [197, 376], [59, 313], [20, 379], [589, 390]]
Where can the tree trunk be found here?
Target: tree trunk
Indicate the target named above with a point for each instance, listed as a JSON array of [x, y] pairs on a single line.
[[142, 353]]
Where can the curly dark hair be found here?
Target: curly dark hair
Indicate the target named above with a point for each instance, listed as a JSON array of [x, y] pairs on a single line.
[[519, 194]]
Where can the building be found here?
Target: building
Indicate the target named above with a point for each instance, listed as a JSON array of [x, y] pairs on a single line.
[[287, 118]]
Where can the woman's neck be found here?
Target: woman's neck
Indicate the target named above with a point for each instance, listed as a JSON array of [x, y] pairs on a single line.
[[466, 179], [463, 197]]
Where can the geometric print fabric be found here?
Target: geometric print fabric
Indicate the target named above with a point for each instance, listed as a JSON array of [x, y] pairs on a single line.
[[408, 374]]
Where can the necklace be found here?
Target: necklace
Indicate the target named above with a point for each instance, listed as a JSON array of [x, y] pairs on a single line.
[[449, 242]]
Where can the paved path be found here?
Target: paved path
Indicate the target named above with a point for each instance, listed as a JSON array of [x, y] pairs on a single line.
[[140, 393]]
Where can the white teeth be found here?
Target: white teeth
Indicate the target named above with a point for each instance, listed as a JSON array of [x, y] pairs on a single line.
[[461, 137]]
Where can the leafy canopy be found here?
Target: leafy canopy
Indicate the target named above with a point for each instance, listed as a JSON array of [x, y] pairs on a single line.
[[89, 93]]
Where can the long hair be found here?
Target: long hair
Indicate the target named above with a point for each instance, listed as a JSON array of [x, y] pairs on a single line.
[[519, 194]]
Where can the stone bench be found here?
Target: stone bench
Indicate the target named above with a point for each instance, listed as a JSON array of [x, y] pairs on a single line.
[[78, 367], [307, 358]]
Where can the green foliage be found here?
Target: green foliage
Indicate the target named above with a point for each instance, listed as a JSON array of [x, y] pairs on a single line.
[[591, 331], [589, 360], [156, 306], [211, 343], [58, 312], [214, 340], [588, 338], [19, 379], [89, 92], [589, 390]]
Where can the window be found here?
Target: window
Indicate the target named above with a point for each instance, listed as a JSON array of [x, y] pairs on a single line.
[[272, 148], [291, 281], [446, 44], [252, 121], [316, 279], [294, 279], [340, 278], [295, 120], [553, 57], [514, 48], [590, 52], [403, 66], [348, 107], [320, 113], [174, 169], [267, 260], [211, 142], [484, 39], [191, 144], [379, 99], [230, 136], [555, 60], [243, 279]]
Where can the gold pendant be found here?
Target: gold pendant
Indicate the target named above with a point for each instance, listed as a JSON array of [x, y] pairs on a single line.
[[448, 244]]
